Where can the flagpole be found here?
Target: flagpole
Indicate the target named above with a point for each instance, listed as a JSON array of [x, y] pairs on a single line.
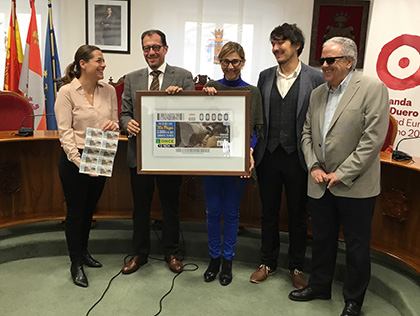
[[52, 40], [51, 70]]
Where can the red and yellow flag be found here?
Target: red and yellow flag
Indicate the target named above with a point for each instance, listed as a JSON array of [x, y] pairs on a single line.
[[31, 75], [14, 56]]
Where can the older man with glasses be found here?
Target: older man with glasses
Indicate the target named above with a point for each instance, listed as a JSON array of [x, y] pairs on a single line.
[[157, 76], [344, 131]]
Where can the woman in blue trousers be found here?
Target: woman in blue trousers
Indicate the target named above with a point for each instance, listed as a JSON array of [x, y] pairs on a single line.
[[224, 193]]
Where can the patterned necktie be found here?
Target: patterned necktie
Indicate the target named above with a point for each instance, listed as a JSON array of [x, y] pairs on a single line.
[[155, 82]]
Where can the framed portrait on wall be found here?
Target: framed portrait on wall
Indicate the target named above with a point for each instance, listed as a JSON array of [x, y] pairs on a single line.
[[108, 25], [192, 133], [347, 18]]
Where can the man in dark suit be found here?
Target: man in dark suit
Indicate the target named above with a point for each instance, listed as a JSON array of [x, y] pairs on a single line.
[[344, 131], [157, 76], [110, 28], [285, 91]]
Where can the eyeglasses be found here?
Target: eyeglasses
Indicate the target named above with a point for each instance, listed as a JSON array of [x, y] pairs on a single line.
[[234, 62], [155, 48], [329, 60]]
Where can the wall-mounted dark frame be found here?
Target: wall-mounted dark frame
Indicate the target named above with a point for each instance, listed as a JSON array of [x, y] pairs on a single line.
[[111, 32], [328, 19]]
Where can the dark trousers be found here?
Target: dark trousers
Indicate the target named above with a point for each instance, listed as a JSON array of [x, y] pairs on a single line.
[[82, 193], [276, 170], [142, 187], [355, 217]]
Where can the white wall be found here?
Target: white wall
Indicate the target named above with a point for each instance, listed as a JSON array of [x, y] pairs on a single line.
[[170, 17]]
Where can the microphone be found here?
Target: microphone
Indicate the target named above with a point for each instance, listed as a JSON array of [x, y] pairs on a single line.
[[28, 131], [400, 155]]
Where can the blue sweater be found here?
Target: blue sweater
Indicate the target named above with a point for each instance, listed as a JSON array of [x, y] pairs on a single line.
[[239, 83]]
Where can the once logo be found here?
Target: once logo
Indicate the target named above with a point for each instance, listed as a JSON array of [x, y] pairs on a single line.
[[390, 80]]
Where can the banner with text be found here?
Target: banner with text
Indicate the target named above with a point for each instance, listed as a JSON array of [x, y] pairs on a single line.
[[393, 56]]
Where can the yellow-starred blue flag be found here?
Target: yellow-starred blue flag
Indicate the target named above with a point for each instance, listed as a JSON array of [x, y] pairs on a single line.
[[51, 71]]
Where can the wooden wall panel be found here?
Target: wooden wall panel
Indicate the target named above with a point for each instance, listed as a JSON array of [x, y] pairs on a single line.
[[30, 191]]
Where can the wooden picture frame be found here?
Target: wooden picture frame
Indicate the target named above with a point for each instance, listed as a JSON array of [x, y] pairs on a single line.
[[348, 18], [108, 25], [192, 133]]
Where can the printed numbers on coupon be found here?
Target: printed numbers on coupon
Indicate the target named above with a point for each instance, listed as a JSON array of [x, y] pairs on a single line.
[[170, 116], [214, 117]]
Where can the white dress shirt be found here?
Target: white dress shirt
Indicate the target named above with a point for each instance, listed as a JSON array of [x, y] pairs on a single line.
[[284, 83]]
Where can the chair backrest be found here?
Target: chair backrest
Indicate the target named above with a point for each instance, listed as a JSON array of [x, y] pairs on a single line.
[[119, 89], [391, 134], [200, 81], [13, 108]]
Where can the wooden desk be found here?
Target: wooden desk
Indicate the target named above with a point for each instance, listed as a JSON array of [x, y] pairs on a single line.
[[30, 188], [30, 191], [396, 221]]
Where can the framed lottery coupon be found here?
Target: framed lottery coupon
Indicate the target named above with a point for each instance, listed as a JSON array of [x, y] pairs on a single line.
[[193, 133]]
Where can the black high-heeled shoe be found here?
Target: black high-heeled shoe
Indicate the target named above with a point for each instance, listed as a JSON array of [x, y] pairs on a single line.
[[225, 276], [90, 262], [78, 274], [212, 270]]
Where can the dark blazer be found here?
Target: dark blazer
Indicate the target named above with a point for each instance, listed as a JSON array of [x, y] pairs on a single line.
[[310, 78], [354, 139], [139, 80]]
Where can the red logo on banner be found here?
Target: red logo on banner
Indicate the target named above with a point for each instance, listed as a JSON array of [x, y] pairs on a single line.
[[391, 81]]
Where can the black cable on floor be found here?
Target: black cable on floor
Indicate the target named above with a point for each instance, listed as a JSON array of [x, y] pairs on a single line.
[[195, 267], [173, 284], [103, 294], [184, 255], [107, 288]]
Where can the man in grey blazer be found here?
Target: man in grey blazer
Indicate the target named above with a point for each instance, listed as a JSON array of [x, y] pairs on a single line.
[[343, 134], [285, 91], [157, 76]]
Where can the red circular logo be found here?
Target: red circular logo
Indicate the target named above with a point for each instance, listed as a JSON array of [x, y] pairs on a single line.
[[391, 81]]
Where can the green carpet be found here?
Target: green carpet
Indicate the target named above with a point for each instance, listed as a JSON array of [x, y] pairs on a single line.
[[40, 283]]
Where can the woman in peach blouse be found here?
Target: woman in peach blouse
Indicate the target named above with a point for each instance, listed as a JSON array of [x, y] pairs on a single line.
[[83, 101]]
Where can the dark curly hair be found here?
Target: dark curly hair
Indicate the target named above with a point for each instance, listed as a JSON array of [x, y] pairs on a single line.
[[289, 32]]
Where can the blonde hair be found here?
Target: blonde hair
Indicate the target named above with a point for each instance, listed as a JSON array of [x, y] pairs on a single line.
[[232, 47]]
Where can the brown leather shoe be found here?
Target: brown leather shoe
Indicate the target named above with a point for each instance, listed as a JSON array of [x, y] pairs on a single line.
[[298, 279], [261, 274], [174, 264], [134, 264]]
